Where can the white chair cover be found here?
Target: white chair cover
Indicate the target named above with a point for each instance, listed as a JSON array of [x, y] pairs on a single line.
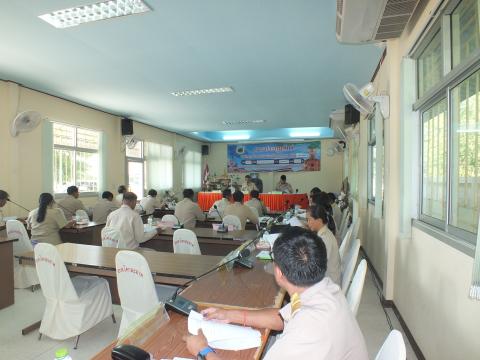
[[74, 305], [232, 220], [356, 228], [137, 291], [81, 215], [345, 245], [393, 348], [111, 237], [354, 295], [185, 242], [170, 219], [350, 262], [24, 276], [344, 224]]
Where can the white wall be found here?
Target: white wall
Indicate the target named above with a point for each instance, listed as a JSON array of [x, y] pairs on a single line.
[[329, 178]]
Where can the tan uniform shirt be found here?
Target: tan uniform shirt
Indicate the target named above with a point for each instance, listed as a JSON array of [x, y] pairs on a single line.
[[130, 225], [257, 204], [333, 256], [150, 203], [247, 187], [102, 208], [47, 230], [188, 212], [323, 328], [284, 187], [221, 205], [243, 212], [70, 205]]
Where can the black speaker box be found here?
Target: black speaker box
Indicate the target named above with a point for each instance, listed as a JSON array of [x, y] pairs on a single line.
[[127, 127], [205, 149], [352, 115]]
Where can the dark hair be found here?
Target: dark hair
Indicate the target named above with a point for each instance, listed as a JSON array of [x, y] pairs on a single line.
[[254, 194], [315, 191], [152, 192], [3, 195], [226, 193], [44, 200], [238, 196], [283, 177], [323, 199], [107, 195], [248, 176], [72, 190], [130, 196], [121, 189], [301, 256], [332, 198], [318, 212], [188, 193]]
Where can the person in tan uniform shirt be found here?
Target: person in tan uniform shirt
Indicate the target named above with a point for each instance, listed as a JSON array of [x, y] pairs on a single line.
[[45, 221], [248, 185], [284, 186], [256, 203], [104, 207], [188, 212], [151, 202], [243, 212], [70, 204], [317, 221], [317, 324]]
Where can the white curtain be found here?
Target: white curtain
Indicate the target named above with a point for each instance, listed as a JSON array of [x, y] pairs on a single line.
[[102, 174], [159, 166], [193, 170], [47, 157]]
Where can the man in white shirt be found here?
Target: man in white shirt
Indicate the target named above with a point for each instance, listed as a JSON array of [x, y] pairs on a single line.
[[248, 185], [104, 207], [220, 205], [284, 186], [317, 324], [243, 212], [70, 204], [129, 223], [151, 202], [188, 212], [256, 203]]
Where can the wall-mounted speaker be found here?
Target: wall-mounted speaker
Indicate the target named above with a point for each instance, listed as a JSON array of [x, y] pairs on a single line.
[[127, 127], [352, 115], [205, 149]]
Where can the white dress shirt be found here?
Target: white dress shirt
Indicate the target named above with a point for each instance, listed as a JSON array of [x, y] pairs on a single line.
[[221, 205], [150, 203]]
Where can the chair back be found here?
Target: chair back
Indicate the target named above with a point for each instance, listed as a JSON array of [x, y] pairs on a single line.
[[345, 245], [254, 210], [356, 227], [82, 215], [354, 294], [393, 348], [170, 220], [232, 220], [343, 223], [350, 262], [111, 237], [52, 273], [16, 230], [185, 242]]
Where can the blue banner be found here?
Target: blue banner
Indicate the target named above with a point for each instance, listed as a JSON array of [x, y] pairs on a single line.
[[269, 157]]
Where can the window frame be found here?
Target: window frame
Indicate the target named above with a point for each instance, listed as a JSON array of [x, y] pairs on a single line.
[[371, 144], [75, 149], [141, 160]]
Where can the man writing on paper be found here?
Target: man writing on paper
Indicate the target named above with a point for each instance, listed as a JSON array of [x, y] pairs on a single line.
[[316, 324]]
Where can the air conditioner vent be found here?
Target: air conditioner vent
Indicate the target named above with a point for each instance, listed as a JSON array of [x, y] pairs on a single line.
[[340, 6], [393, 20], [398, 8]]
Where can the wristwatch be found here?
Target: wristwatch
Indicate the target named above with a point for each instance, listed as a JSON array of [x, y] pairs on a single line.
[[202, 355]]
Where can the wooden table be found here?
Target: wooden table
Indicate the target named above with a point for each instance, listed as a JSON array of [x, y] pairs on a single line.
[[209, 222], [211, 242], [6, 272], [88, 234]]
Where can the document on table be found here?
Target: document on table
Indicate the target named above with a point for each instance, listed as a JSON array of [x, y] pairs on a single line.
[[295, 222], [224, 336], [270, 238]]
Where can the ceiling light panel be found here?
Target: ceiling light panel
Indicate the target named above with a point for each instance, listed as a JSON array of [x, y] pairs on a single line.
[[226, 89], [301, 134], [94, 12], [236, 137]]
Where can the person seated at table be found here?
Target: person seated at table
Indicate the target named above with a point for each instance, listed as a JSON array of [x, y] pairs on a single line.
[[121, 190], [314, 192], [104, 207], [129, 223], [323, 199], [187, 211], [284, 186], [3, 198], [243, 212], [256, 203], [258, 182], [317, 323], [220, 204], [46, 220], [248, 185], [317, 221], [70, 204], [151, 202]]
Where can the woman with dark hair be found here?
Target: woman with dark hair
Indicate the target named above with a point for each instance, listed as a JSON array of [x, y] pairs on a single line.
[[323, 199], [46, 220]]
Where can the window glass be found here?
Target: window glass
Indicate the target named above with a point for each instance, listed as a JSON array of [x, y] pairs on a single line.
[[87, 171], [159, 160], [434, 159], [193, 170], [63, 170], [135, 177], [430, 65], [465, 176], [63, 134], [465, 30], [136, 151], [88, 139]]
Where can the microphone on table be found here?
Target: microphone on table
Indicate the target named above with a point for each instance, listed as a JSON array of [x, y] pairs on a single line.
[[178, 226], [296, 191], [184, 306], [221, 228], [20, 206]]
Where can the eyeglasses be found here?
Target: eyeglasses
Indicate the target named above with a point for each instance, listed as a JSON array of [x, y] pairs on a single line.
[[271, 255]]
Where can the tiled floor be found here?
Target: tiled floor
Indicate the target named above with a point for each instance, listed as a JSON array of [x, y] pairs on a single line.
[[28, 308]]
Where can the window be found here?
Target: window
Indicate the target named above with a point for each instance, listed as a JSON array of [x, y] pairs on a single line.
[[465, 30], [159, 162], [372, 158], [430, 65], [75, 158], [135, 168], [193, 170]]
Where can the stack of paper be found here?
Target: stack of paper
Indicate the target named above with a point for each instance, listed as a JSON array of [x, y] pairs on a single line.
[[224, 336], [270, 238], [295, 222]]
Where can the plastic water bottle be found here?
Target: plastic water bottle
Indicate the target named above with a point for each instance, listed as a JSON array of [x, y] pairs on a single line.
[[150, 220], [62, 354]]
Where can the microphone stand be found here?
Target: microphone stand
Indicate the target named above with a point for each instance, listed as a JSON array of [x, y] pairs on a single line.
[[221, 228], [20, 206]]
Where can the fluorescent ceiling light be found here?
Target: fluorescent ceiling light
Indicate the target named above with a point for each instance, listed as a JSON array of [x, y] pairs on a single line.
[[300, 134], [243, 122], [236, 137], [99, 11], [225, 89]]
